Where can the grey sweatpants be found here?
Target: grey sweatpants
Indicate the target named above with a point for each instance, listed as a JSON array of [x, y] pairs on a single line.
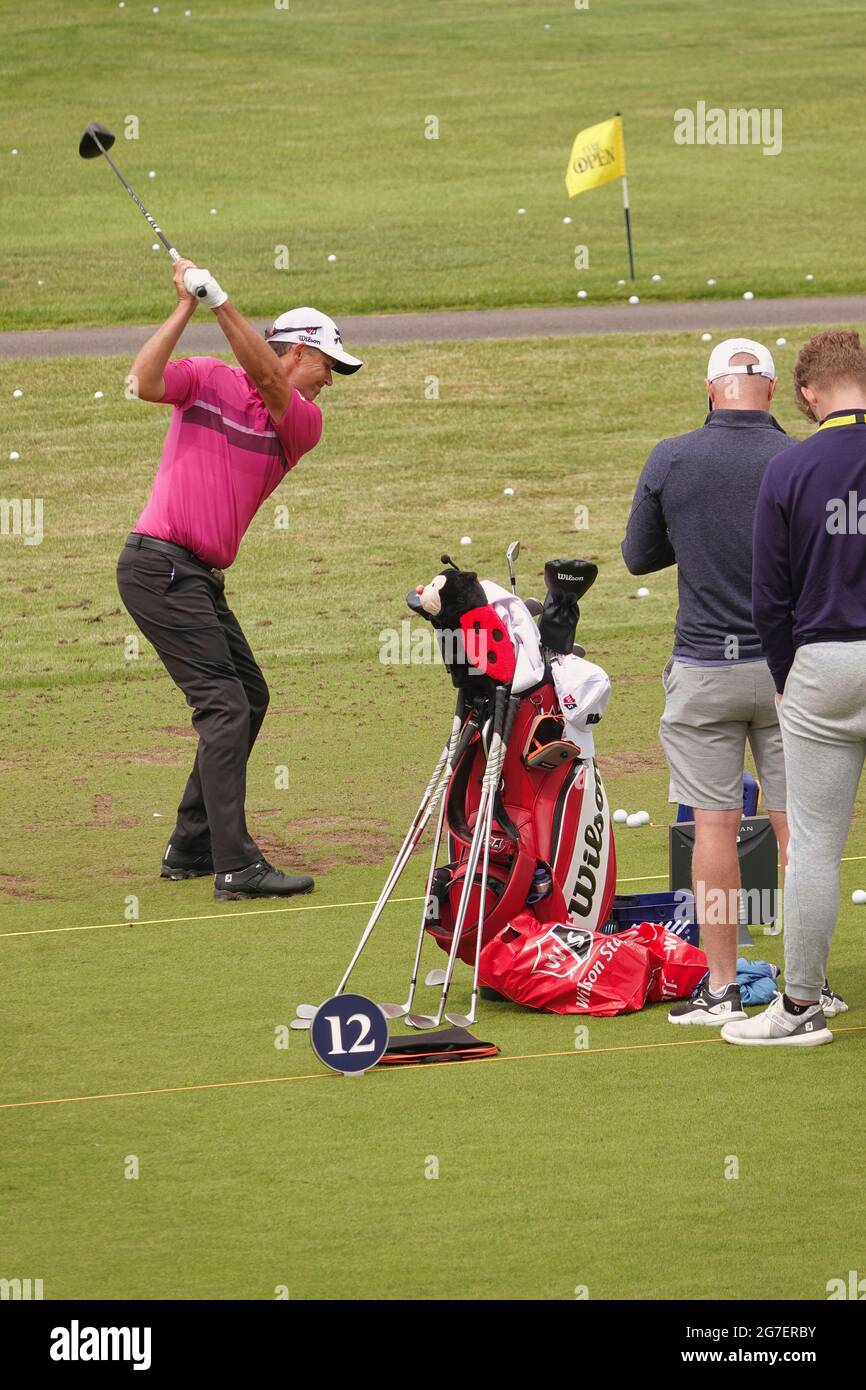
[[823, 720]]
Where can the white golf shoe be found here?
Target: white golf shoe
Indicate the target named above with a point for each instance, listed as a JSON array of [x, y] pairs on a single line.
[[775, 1027]]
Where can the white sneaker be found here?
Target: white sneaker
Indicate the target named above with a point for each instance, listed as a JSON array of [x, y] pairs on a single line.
[[831, 1002], [775, 1027]]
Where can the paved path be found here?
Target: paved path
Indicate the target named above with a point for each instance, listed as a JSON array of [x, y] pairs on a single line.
[[696, 316]]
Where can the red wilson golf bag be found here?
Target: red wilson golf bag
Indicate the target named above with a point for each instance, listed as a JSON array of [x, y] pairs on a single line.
[[551, 849]]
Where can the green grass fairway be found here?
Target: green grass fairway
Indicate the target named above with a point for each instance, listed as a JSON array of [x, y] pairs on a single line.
[[558, 1168], [304, 128]]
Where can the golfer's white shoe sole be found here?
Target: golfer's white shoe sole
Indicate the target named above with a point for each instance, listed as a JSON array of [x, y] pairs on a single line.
[[705, 1020], [823, 1035]]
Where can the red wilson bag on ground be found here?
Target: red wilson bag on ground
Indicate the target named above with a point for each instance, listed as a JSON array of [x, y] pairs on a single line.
[[551, 817], [565, 969]]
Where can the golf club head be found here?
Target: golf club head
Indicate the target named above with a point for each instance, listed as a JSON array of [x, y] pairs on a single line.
[[535, 606], [301, 1023], [434, 977], [394, 1010], [307, 1010], [95, 135], [422, 1021], [462, 1020]]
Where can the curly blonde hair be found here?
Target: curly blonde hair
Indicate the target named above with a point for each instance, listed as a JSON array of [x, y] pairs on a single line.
[[830, 358]]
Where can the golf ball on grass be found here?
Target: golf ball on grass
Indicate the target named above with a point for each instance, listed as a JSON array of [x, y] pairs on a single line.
[[332, 257], [16, 395], [213, 212], [465, 540], [858, 897], [620, 282], [155, 246], [151, 173], [620, 816], [581, 294], [14, 151], [810, 277], [634, 820], [566, 220], [643, 591], [521, 211], [748, 295], [633, 299], [706, 337], [508, 491], [98, 395], [14, 455], [711, 282], [656, 278]]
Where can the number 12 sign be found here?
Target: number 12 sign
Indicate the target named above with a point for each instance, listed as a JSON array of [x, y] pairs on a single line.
[[349, 1033]]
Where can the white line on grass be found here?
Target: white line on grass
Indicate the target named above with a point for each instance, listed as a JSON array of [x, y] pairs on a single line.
[[265, 911]]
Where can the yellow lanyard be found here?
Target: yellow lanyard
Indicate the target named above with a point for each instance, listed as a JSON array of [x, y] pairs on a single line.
[[858, 418]]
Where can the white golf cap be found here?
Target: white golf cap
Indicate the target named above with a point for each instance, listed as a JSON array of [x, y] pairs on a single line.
[[720, 358], [583, 690], [314, 328]]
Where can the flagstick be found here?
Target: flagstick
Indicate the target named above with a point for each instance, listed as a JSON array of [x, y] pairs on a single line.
[[627, 211]]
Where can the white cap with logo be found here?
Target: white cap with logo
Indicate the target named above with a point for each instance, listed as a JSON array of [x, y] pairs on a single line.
[[720, 358], [583, 690], [316, 330]]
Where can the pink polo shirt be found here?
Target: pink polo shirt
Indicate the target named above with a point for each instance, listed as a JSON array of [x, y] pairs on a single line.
[[223, 456]]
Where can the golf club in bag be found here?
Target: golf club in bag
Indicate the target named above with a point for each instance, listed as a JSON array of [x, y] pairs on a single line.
[[522, 802]]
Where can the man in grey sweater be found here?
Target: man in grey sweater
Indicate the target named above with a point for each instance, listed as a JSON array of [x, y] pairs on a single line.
[[694, 507]]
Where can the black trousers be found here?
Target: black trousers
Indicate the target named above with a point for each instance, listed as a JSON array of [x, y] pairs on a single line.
[[180, 607]]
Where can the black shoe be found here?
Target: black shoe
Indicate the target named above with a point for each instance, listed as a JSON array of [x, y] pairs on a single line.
[[708, 1009], [260, 880], [176, 864]]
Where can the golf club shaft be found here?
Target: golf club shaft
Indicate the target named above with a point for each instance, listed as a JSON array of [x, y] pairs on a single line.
[[172, 251], [437, 840], [487, 791], [413, 835], [497, 757]]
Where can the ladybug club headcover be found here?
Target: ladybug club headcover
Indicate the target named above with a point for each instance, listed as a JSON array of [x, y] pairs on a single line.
[[488, 645], [565, 969]]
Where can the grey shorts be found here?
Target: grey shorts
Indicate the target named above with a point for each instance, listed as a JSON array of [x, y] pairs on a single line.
[[710, 712]]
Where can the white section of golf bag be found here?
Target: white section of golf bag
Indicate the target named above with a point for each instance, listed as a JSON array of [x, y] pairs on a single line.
[[588, 877]]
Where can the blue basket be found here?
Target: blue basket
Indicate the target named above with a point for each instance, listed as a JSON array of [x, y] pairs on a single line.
[[676, 911]]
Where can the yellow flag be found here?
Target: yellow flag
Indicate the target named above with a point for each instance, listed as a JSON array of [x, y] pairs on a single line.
[[597, 155]]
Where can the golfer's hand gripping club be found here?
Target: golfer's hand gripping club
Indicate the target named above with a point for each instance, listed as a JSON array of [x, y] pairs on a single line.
[[205, 288]]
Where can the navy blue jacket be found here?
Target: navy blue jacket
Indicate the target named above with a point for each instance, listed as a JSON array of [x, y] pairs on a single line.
[[694, 507], [809, 568]]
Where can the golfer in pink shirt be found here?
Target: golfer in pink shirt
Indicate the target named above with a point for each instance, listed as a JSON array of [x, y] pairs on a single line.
[[234, 434]]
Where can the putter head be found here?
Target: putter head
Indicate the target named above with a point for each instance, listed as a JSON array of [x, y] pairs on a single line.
[[95, 135]]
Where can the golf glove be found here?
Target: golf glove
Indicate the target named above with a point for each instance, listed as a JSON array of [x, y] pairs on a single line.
[[205, 288]]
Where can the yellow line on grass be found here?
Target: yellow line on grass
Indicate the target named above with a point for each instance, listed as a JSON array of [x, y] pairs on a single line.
[[404, 1066]]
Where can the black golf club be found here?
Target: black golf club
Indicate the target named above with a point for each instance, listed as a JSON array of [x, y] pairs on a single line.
[[97, 140]]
